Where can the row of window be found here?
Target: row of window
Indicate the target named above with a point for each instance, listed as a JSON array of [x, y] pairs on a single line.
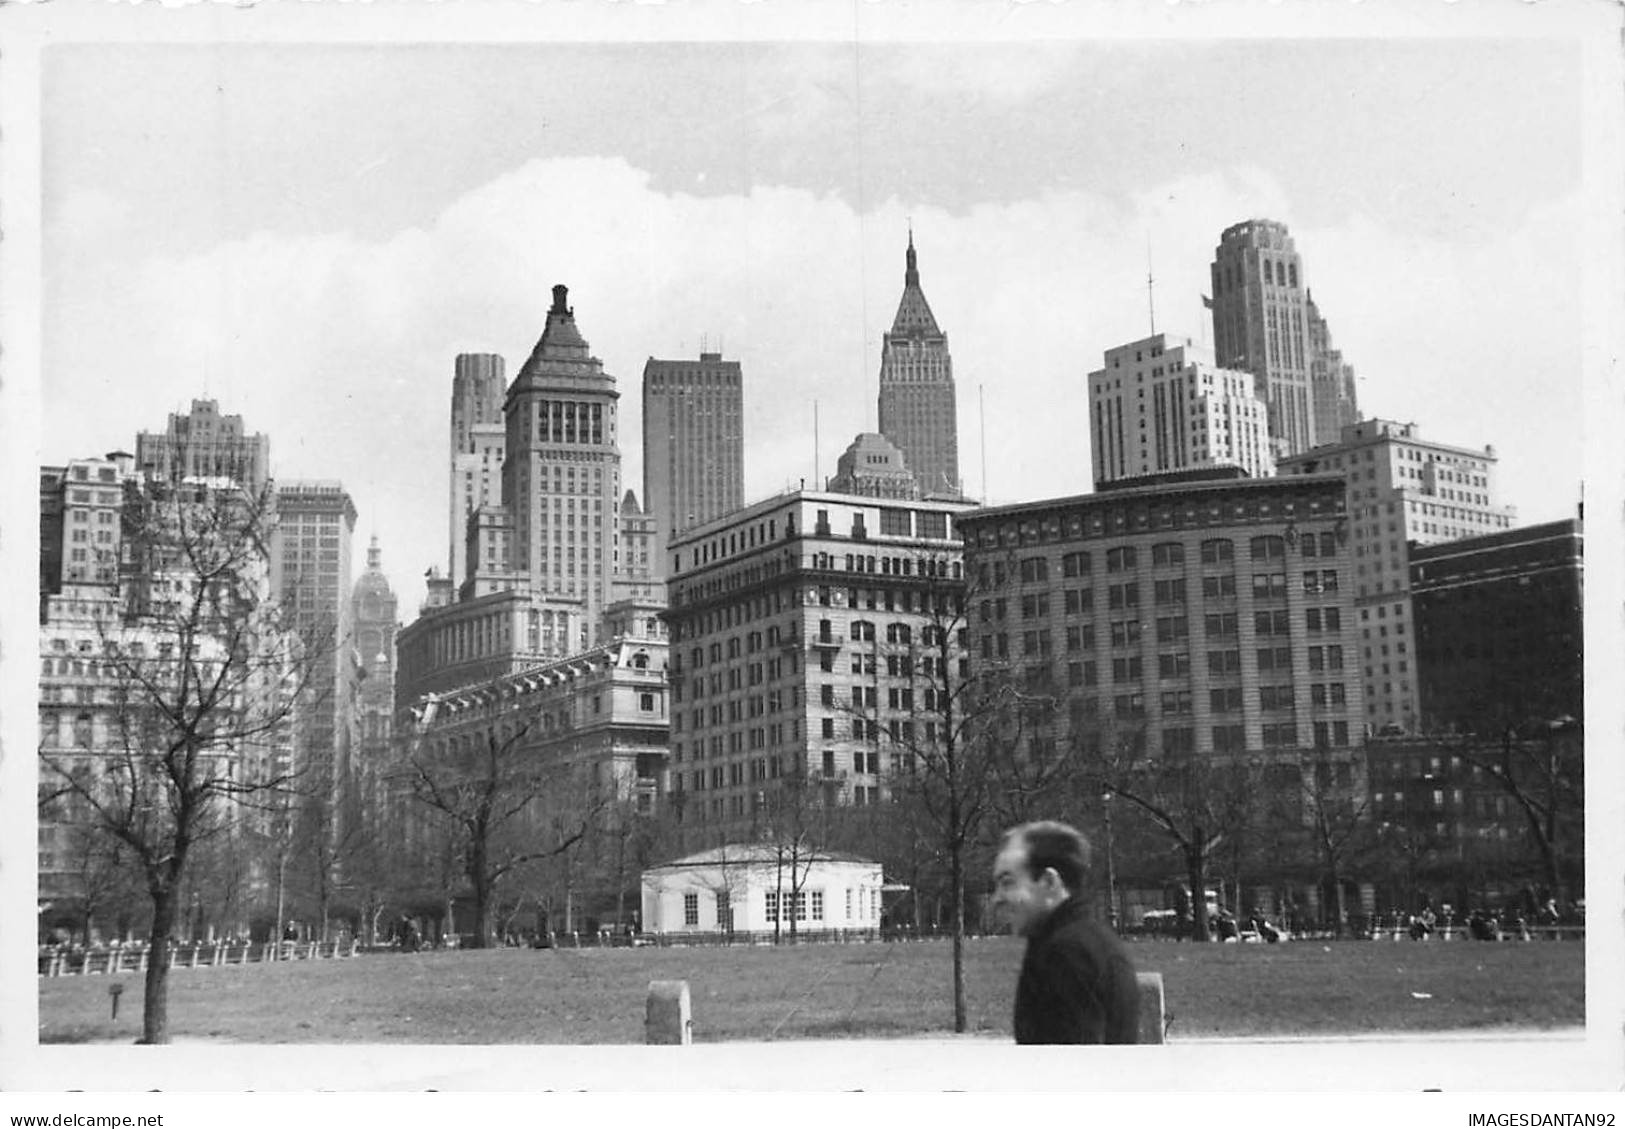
[[1164, 554]]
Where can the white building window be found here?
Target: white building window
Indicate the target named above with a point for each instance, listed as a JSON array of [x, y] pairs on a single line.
[[691, 909]]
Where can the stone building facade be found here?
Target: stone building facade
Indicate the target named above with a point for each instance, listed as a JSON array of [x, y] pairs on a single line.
[[798, 630], [1212, 615], [1403, 490]]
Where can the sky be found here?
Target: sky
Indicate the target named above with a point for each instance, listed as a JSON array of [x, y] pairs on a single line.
[[310, 234]]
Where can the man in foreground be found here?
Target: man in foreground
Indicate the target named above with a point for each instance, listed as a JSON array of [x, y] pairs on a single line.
[[1077, 983]]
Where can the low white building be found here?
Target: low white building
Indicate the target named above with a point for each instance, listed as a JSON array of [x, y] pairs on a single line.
[[740, 889]]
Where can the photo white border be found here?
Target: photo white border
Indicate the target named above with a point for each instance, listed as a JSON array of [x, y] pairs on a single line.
[[1594, 1061]]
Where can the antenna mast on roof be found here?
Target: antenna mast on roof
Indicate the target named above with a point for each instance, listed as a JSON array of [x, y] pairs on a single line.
[[1150, 295]]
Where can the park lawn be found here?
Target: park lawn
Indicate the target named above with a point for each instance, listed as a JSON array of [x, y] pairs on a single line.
[[876, 991]]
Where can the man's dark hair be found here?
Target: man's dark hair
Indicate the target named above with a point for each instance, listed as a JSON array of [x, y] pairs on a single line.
[[1054, 845]]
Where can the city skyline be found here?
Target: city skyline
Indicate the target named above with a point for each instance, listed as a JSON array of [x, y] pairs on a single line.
[[306, 212], [408, 248]]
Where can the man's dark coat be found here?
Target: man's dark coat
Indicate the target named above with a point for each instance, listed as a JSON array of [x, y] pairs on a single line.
[[1077, 983]]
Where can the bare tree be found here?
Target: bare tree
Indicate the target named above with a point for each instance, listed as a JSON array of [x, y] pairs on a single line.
[[795, 819], [1336, 817], [103, 878], [507, 806], [1196, 802], [1542, 770], [201, 686], [948, 760]]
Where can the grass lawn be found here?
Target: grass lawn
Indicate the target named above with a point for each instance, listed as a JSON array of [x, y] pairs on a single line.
[[826, 992]]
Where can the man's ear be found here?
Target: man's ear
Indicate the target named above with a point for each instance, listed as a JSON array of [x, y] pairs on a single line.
[[1051, 879]]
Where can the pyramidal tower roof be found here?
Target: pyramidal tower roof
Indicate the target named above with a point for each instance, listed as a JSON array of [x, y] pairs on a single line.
[[561, 354], [914, 317]]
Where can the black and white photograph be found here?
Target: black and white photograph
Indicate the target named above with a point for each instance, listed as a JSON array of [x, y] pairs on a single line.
[[745, 547]]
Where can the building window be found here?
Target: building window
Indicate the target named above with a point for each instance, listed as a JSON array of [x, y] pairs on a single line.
[[691, 909], [1075, 564]]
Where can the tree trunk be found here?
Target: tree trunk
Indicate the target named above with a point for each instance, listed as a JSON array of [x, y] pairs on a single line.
[[1196, 874], [480, 887], [155, 1007], [956, 866], [1339, 904]]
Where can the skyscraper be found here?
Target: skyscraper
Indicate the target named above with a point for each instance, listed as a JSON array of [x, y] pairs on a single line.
[[478, 439], [1261, 325], [693, 445], [1160, 405], [561, 476], [1331, 380], [917, 406], [310, 576], [204, 444], [373, 611]]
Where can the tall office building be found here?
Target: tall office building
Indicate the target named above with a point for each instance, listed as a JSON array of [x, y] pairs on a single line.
[[918, 411], [374, 613], [1402, 490], [478, 439], [800, 636], [310, 576], [561, 476], [204, 444], [1331, 379], [693, 444], [1261, 325], [1161, 405]]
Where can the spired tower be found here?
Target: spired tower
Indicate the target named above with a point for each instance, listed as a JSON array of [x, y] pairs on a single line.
[[918, 412], [373, 611], [561, 475]]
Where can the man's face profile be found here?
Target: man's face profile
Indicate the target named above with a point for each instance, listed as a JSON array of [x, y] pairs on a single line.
[[1018, 897]]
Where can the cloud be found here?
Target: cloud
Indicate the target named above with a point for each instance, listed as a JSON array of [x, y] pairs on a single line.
[[341, 348]]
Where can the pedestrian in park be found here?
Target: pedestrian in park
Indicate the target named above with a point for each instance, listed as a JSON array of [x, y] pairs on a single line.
[[1077, 984]]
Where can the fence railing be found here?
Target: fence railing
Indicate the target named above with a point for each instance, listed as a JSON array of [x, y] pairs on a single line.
[[201, 954]]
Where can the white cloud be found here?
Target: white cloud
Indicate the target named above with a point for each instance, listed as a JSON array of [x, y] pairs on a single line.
[[342, 350]]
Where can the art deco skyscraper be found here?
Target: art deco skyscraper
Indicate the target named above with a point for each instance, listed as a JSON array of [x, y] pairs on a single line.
[[561, 477], [693, 445], [1261, 325], [1331, 381], [478, 437], [204, 444], [917, 407]]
